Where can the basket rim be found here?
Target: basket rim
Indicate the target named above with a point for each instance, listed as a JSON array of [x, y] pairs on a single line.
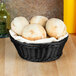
[[44, 41], [53, 43]]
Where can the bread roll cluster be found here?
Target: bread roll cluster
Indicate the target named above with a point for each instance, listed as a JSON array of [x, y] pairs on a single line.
[[38, 27]]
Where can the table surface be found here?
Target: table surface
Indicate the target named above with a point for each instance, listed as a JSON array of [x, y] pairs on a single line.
[[12, 65]]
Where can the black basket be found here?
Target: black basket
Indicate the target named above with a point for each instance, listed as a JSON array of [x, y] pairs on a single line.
[[39, 52]]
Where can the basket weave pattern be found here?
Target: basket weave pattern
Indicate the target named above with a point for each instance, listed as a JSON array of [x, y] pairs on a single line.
[[40, 52]]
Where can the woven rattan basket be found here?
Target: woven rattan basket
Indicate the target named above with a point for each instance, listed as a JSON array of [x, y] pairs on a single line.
[[29, 8]]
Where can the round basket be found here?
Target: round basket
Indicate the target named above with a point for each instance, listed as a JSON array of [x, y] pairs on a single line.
[[39, 52]]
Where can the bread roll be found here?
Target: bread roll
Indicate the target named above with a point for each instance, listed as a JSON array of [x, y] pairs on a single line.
[[34, 32], [39, 20], [18, 24], [55, 28]]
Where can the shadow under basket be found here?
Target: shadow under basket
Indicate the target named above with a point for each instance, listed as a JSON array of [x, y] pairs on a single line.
[[39, 52]]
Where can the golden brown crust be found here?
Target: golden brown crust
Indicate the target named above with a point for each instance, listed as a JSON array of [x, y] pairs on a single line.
[[64, 32], [18, 24], [52, 33], [34, 34], [39, 20], [55, 28], [43, 30]]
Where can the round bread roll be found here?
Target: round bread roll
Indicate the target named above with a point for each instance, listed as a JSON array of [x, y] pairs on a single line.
[[55, 28], [34, 32], [39, 20], [18, 24]]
